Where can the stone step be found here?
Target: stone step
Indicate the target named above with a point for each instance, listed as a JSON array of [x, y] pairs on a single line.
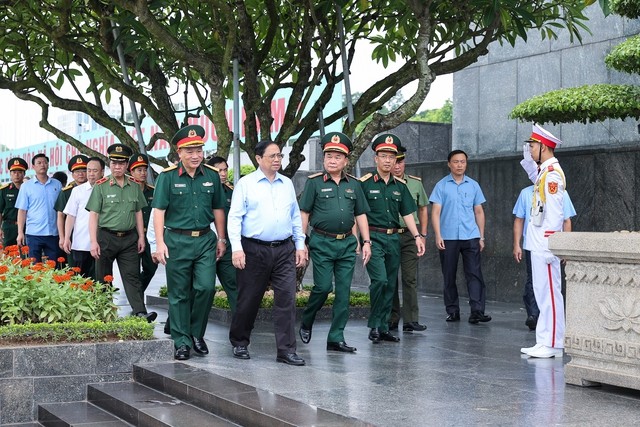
[[233, 400], [76, 414], [144, 406]]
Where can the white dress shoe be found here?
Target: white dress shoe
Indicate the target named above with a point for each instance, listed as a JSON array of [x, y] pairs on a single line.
[[526, 350], [545, 352]]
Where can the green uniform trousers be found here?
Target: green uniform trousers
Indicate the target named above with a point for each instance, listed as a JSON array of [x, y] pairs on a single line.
[[191, 272], [10, 231], [227, 275], [124, 250], [408, 270], [331, 259], [383, 273], [148, 267]]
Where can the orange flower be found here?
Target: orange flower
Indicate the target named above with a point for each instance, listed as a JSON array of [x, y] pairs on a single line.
[[37, 267], [86, 287], [3, 269], [25, 262], [28, 277], [89, 282], [74, 286], [59, 278], [3, 278], [24, 250], [61, 259], [51, 264], [76, 270], [108, 278]]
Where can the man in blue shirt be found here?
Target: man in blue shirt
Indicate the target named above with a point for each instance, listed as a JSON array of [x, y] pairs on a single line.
[[35, 204], [521, 210], [457, 218], [267, 242]]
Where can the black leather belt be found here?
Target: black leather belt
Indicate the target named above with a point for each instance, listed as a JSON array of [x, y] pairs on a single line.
[[118, 233], [192, 233], [334, 235], [388, 230], [272, 244]]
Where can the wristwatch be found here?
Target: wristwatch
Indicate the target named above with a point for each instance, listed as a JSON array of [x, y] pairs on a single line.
[[223, 241], [417, 235], [366, 241]]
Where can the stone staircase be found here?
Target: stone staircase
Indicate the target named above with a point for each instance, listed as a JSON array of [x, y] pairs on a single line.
[[177, 394]]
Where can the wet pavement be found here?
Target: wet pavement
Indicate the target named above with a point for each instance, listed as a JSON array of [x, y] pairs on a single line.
[[450, 374]]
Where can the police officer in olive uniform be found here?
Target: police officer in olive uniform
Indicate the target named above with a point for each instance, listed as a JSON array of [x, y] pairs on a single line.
[[188, 197], [332, 202], [138, 168], [388, 198], [116, 229], [8, 196], [78, 167], [225, 270]]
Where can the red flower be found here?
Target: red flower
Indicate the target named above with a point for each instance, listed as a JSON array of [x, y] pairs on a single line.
[[51, 264], [76, 270], [108, 278], [28, 277], [61, 259], [24, 250], [25, 262], [3, 269]]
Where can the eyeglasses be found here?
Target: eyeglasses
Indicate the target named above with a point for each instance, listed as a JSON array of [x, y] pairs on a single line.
[[274, 156]]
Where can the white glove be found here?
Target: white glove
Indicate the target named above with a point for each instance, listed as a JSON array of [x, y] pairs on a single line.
[[531, 168]]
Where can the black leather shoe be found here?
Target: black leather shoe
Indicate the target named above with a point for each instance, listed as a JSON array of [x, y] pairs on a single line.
[[453, 317], [531, 322], [305, 334], [241, 352], [290, 359], [413, 326], [199, 346], [340, 346], [167, 327], [182, 353], [393, 326], [478, 316], [149, 316], [386, 336], [374, 335]]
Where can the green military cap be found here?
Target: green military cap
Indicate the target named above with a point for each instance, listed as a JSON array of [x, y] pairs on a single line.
[[17, 164], [189, 136], [336, 141], [77, 162], [386, 142], [119, 152], [401, 151], [138, 160]]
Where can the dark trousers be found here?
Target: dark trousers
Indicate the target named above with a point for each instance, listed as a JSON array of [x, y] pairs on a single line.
[[528, 297], [43, 244], [470, 251], [266, 266], [408, 271], [124, 250], [10, 231], [85, 262], [148, 267]]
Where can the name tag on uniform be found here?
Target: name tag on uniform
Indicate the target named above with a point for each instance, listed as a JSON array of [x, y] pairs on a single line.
[[110, 196], [207, 184], [324, 190], [374, 191], [180, 185]]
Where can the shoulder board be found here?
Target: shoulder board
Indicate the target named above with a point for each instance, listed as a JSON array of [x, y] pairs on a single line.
[[352, 176], [401, 180], [151, 187], [366, 177], [170, 168], [315, 175], [5, 186], [211, 167], [102, 180], [70, 186], [228, 185], [132, 179], [415, 177]]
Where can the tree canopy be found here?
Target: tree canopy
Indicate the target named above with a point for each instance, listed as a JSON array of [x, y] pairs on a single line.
[[173, 47], [598, 102]]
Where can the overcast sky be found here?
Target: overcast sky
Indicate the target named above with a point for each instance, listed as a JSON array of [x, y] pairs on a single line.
[[19, 119]]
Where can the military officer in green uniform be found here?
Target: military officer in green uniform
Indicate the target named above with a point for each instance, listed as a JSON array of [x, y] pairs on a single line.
[[388, 198], [78, 167], [188, 197], [139, 168], [333, 202], [408, 254], [225, 270], [8, 196], [116, 229]]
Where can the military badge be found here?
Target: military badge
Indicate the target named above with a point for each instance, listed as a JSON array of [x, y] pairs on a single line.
[[192, 133], [553, 187], [335, 139], [388, 140]]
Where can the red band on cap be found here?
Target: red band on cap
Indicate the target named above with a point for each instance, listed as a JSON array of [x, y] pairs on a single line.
[[333, 146], [190, 141], [136, 164], [387, 147], [543, 140]]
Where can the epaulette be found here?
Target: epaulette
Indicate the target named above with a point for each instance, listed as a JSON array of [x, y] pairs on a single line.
[[212, 167], [315, 175], [352, 176], [366, 177], [132, 179], [70, 186], [170, 168], [229, 185], [151, 186], [102, 180], [401, 180], [5, 186], [415, 177], [550, 168]]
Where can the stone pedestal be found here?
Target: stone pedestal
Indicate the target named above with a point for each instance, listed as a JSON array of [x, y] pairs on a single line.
[[603, 307]]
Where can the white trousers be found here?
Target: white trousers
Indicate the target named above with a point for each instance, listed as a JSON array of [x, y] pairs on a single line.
[[547, 290]]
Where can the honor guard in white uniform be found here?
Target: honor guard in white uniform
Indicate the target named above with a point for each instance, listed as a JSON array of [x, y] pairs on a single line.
[[546, 218]]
